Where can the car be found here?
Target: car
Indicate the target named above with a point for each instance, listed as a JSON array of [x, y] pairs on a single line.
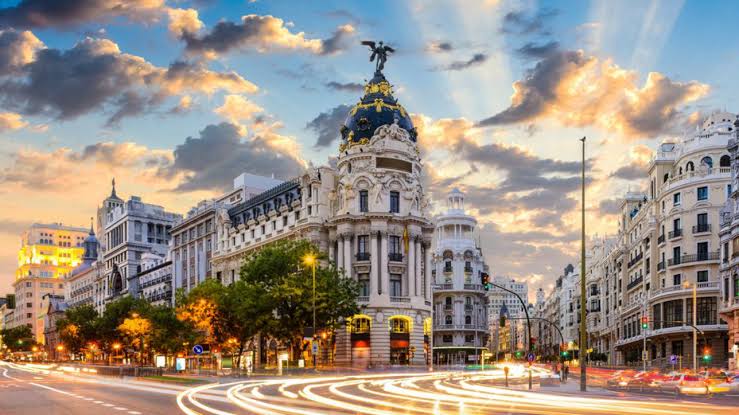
[[718, 381], [620, 379], [642, 380], [685, 384]]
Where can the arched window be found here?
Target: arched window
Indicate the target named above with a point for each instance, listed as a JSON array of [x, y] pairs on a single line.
[[448, 255], [689, 167], [681, 171], [707, 161], [467, 319], [667, 176], [448, 301], [448, 320], [400, 324], [725, 161]]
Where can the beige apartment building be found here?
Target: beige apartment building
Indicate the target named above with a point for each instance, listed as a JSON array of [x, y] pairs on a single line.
[[48, 254]]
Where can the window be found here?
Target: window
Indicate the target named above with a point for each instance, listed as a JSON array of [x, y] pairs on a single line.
[[395, 285], [284, 221], [394, 202], [363, 201], [364, 285], [448, 320], [468, 319], [728, 190], [702, 276], [362, 245], [676, 199], [676, 255], [707, 161], [447, 338], [676, 279], [676, 225], [677, 347], [394, 244], [703, 193], [702, 249], [690, 166], [725, 161]]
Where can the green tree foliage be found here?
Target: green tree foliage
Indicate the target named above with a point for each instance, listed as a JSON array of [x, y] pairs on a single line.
[[116, 312], [18, 338], [77, 327], [282, 278], [170, 334]]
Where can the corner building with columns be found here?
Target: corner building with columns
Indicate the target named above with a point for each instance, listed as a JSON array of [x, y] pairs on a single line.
[[368, 213]]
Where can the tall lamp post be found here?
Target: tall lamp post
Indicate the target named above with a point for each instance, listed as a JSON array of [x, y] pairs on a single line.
[[310, 259], [687, 284], [583, 336]]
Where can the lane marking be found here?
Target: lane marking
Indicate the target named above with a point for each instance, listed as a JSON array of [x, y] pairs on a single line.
[[98, 402], [134, 412], [118, 408], [108, 404]]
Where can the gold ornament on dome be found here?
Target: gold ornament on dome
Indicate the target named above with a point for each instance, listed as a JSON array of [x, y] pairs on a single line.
[[378, 104], [383, 88]]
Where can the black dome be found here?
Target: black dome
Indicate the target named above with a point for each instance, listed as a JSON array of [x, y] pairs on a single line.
[[377, 107]]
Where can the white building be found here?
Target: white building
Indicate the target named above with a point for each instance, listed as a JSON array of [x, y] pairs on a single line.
[[80, 283], [460, 315], [513, 336], [155, 279]]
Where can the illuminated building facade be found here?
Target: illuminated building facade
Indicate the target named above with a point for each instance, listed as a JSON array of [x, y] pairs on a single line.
[[48, 254]]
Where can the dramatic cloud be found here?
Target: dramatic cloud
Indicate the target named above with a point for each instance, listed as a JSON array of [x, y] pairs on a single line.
[[520, 23], [327, 124], [237, 108], [11, 121], [610, 206], [262, 34], [581, 90], [476, 60], [183, 21], [95, 75], [537, 51], [219, 153], [67, 13], [16, 50], [630, 172], [346, 87]]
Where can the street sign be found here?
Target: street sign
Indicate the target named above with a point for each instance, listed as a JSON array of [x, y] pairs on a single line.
[[315, 347], [673, 359], [531, 357], [644, 355], [197, 349]]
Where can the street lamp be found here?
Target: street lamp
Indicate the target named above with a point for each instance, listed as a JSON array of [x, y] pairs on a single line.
[[310, 260], [583, 334], [687, 285], [59, 349]]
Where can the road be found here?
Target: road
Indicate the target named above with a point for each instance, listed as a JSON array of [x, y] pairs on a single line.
[[38, 392]]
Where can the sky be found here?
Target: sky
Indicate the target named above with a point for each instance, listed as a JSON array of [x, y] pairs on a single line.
[[174, 98]]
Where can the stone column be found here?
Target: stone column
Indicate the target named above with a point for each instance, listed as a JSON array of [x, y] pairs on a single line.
[[348, 256], [374, 256], [340, 252], [384, 273], [410, 269], [417, 276], [427, 272]]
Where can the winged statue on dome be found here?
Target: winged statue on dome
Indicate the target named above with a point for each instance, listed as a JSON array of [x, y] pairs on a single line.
[[380, 52]]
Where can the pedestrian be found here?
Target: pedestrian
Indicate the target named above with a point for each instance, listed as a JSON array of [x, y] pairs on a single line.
[[566, 372]]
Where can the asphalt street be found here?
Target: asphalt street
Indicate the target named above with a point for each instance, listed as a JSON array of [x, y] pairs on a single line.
[[30, 391]]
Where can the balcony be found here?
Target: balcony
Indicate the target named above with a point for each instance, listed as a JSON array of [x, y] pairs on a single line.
[[676, 233], [636, 259], [363, 299], [634, 283], [661, 239], [363, 256], [473, 287], [448, 307], [468, 307], [661, 266], [447, 270], [443, 287], [701, 228], [400, 299], [468, 270], [395, 257], [702, 287], [685, 259]]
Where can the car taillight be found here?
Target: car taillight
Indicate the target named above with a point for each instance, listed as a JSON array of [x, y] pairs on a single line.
[[682, 383]]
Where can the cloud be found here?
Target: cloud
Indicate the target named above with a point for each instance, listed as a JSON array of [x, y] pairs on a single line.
[[610, 206], [184, 105], [261, 34], [630, 172], [13, 226], [54, 13], [347, 87], [537, 51], [327, 124], [439, 47], [579, 90], [219, 153], [521, 23], [476, 60], [16, 50], [95, 75], [237, 108], [10, 121], [184, 21]]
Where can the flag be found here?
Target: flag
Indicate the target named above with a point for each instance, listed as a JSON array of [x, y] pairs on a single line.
[[406, 239]]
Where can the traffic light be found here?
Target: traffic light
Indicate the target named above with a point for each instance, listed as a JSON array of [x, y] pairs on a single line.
[[645, 322], [707, 355], [565, 354], [502, 320], [485, 280], [519, 354]]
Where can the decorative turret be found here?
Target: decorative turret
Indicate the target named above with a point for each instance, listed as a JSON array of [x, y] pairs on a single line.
[[91, 245]]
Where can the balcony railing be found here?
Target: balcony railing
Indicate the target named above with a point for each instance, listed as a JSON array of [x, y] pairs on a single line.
[[676, 233], [400, 299], [468, 270], [447, 269], [363, 299], [475, 287], [661, 239], [704, 256], [363, 256], [448, 306], [702, 227], [448, 286], [634, 283], [661, 266], [636, 259], [468, 307], [395, 256]]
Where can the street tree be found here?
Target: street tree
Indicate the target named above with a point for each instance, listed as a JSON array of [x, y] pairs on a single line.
[[18, 339], [77, 327]]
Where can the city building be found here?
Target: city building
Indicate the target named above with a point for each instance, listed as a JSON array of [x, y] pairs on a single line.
[[80, 283], [512, 336], [155, 279], [54, 307], [131, 229], [193, 236], [368, 212], [48, 254], [460, 324], [729, 304]]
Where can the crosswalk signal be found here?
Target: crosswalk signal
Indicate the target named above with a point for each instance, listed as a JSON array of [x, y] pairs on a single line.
[[645, 322], [485, 280]]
